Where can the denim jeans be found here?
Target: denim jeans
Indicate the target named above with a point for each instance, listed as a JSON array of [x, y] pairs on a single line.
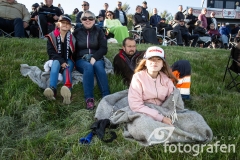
[[88, 70], [15, 25], [55, 68]]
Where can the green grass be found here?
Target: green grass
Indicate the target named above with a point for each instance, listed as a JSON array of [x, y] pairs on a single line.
[[33, 128]]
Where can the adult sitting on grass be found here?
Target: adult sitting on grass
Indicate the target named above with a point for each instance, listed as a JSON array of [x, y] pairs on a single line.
[[60, 47], [152, 110], [13, 17], [91, 46], [115, 27]]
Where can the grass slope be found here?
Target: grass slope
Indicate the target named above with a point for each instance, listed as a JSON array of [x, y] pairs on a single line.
[[33, 128]]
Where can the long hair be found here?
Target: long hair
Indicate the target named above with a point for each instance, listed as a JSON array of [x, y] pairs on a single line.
[[165, 69], [111, 13]]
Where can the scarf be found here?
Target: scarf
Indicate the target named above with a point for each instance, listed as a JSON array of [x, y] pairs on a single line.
[[66, 43]]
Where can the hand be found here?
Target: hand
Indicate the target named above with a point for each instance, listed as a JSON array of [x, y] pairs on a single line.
[[25, 24], [36, 18], [167, 121], [64, 65], [92, 61], [55, 17]]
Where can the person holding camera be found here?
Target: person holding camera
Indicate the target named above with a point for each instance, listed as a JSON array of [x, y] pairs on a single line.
[[60, 48], [91, 46]]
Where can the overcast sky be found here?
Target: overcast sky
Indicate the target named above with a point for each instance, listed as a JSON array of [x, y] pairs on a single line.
[[95, 5]]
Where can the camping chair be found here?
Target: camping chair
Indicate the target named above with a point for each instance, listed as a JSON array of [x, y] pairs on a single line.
[[6, 34], [234, 69], [167, 38], [136, 32]]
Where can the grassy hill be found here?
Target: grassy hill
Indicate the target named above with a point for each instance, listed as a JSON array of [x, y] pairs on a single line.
[[32, 127]]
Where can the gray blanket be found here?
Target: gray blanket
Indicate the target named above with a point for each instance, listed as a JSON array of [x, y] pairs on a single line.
[[189, 126], [42, 78]]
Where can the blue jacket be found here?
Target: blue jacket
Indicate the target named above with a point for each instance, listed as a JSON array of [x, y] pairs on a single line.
[[154, 20], [224, 30]]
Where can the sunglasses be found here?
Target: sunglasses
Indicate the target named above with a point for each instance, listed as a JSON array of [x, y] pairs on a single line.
[[109, 15], [87, 18], [84, 5]]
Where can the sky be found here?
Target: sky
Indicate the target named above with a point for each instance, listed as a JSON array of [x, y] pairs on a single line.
[[95, 5]]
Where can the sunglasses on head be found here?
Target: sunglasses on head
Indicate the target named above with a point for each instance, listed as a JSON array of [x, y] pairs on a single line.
[[87, 18], [84, 5]]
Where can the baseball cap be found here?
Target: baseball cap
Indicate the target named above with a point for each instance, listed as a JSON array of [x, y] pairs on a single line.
[[65, 17], [154, 51]]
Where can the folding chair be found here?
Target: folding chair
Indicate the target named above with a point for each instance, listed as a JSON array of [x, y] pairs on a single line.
[[136, 32], [234, 69], [6, 34], [167, 39]]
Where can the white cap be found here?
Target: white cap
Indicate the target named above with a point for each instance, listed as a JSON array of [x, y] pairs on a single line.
[[154, 51]]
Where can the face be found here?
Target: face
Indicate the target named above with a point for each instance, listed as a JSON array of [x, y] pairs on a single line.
[[64, 26], [144, 5], [109, 15], [213, 14], [190, 10], [119, 5], [105, 6], [154, 10], [48, 2], [139, 9], [130, 47], [211, 26], [181, 23], [204, 11], [85, 6], [88, 21], [154, 64], [180, 8]]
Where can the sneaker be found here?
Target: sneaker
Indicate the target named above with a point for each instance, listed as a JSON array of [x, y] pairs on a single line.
[[66, 94], [90, 103], [50, 93]]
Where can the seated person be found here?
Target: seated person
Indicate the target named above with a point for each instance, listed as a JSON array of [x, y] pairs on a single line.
[[191, 20], [164, 25], [99, 21], [115, 27], [89, 57], [203, 35], [62, 59], [225, 32], [33, 26], [126, 60], [237, 37], [235, 30], [48, 15], [17, 18], [149, 34], [215, 35], [185, 34]]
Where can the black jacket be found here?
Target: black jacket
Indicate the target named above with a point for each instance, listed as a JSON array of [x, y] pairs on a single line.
[[90, 41], [145, 13], [200, 31], [78, 16], [178, 16], [116, 13], [125, 66], [139, 19], [183, 29], [52, 10], [162, 25], [192, 19]]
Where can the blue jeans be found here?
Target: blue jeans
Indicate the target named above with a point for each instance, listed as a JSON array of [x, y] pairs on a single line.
[[15, 25], [55, 68], [88, 70]]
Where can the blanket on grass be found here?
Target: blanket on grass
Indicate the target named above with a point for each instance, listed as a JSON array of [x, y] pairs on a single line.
[[42, 78], [189, 126]]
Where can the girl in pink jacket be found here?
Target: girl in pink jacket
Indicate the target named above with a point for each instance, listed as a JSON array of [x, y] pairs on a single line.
[[152, 82]]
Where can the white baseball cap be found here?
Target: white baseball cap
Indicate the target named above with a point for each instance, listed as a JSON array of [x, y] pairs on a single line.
[[154, 51]]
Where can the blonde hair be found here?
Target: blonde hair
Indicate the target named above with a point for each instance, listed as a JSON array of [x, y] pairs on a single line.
[[165, 69]]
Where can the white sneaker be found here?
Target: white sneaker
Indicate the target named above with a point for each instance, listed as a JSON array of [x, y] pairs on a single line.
[[66, 94], [49, 93]]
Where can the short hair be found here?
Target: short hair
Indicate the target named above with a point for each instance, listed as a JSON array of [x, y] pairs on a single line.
[[119, 2], [128, 38], [88, 12], [86, 2], [198, 23]]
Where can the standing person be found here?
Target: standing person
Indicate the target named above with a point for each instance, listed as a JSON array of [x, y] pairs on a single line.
[[151, 83], [115, 27], [120, 14], [179, 15], [191, 20], [144, 10], [91, 46], [155, 18], [102, 12], [48, 16], [125, 61], [60, 7], [60, 47], [202, 17], [213, 20], [85, 7], [14, 17]]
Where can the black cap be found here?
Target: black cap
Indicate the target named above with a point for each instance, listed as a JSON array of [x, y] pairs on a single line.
[[65, 17], [164, 19], [35, 5], [181, 20], [144, 2]]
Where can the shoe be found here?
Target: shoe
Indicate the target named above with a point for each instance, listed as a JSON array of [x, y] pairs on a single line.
[[66, 94], [50, 93], [90, 103]]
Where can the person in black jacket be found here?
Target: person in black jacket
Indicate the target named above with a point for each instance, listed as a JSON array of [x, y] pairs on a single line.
[[85, 7], [179, 15], [203, 35], [120, 14], [48, 15], [91, 46], [60, 47], [102, 12], [191, 20], [125, 61], [144, 10]]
